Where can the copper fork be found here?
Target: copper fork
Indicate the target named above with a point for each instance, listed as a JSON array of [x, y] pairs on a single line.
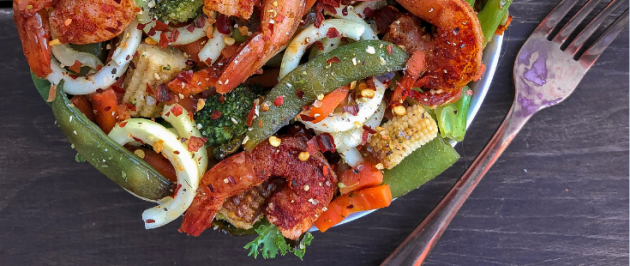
[[546, 72]]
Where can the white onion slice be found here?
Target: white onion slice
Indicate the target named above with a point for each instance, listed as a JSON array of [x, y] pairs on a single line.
[[67, 56], [108, 75], [185, 129], [185, 36], [301, 42], [212, 49], [185, 168], [346, 121]]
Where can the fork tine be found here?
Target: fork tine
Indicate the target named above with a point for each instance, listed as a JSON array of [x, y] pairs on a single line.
[[552, 20], [575, 21], [588, 31], [597, 48]]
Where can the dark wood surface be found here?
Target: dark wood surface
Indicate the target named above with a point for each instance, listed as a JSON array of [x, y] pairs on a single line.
[[557, 196]]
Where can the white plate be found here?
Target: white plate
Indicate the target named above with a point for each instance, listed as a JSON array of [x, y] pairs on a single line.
[[491, 59]]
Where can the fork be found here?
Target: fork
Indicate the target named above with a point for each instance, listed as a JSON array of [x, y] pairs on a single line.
[[546, 72]]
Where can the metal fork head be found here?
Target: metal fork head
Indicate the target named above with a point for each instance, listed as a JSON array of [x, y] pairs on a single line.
[[545, 74]]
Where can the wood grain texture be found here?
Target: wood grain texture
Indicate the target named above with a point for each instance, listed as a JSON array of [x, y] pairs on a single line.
[[557, 196]]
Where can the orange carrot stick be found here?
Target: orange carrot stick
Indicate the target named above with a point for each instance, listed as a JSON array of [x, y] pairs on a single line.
[[362, 200], [363, 176], [82, 103], [329, 103], [105, 106]]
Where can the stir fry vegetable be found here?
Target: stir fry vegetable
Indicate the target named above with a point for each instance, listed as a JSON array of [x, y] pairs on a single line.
[[451, 118], [108, 157], [320, 76]]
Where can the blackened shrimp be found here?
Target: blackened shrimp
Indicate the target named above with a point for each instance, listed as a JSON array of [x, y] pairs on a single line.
[[310, 186]]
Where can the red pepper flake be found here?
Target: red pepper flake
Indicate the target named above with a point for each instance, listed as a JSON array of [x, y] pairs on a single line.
[[231, 180], [326, 142], [161, 26], [136, 54], [174, 35], [344, 11], [279, 101], [138, 140], [306, 107], [164, 41], [271, 28], [122, 124], [306, 118], [177, 189], [190, 115], [131, 106], [215, 114], [319, 14], [279, 18], [221, 99], [190, 28], [211, 188], [117, 89], [250, 115], [333, 60], [151, 32], [76, 67], [99, 67], [107, 108], [260, 123], [199, 22], [150, 221], [333, 33], [131, 65], [351, 109], [368, 12], [319, 45], [369, 129], [185, 76], [161, 94], [177, 110], [112, 30], [191, 62], [148, 88], [390, 49], [325, 170], [176, 152], [167, 114], [299, 94], [141, 26], [195, 143]]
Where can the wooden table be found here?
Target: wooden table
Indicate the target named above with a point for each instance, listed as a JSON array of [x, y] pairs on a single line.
[[557, 196]]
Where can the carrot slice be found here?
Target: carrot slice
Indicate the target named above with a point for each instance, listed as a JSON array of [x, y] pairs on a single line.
[[363, 176], [82, 103], [329, 103], [156, 160], [362, 200], [105, 106]]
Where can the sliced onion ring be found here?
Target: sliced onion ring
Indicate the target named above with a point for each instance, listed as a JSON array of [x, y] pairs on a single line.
[[185, 36], [301, 42], [155, 134], [67, 56], [108, 75]]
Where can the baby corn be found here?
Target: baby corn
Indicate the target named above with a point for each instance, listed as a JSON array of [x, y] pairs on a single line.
[[402, 135], [153, 66]]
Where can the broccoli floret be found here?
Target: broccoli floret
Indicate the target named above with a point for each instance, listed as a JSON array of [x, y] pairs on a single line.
[[230, 118], [177, 11]]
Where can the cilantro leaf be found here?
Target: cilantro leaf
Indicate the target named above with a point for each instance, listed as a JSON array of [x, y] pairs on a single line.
[[270, 242]]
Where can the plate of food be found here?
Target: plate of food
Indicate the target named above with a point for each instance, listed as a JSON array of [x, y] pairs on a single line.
[[274, 118]]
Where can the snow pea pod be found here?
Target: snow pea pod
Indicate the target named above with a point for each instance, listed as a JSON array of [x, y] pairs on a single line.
[[108, 157], [420, 166], [322, 75]]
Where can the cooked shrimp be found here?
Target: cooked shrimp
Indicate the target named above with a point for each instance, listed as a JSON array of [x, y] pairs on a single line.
[[280, 20], [34, 33], [453, 55], [83, 22], [309, 188], [239, 8]]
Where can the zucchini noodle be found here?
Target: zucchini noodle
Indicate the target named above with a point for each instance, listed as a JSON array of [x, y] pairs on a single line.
[[212, 49], [109, 74], [301, 42], [154, 134], [185, 129]]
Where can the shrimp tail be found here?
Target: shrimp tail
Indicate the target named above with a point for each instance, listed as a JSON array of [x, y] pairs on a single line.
[[34, 33]]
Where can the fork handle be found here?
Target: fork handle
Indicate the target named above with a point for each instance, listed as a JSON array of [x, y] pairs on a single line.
[[416, 247]]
